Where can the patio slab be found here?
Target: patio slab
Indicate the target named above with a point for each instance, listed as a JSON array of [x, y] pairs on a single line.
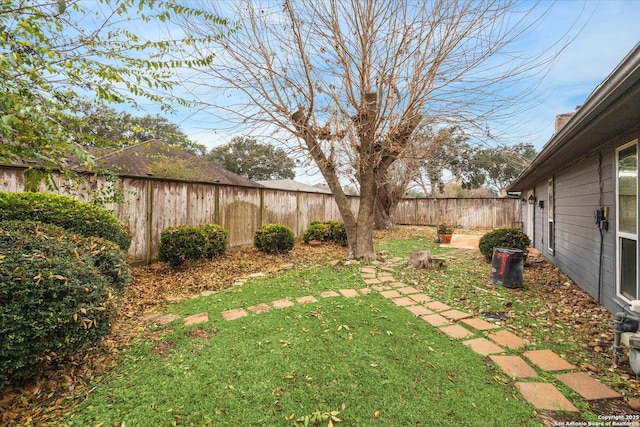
[[545, 396], [587, 387], [463, 241], [514, 366], [548, 360], [483, 346]]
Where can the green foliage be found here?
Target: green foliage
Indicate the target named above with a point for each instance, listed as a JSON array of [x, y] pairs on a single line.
[[184, 242], [52, 55], [83, 218], [56, 294], [504, 238], [274, 238], [245, 156], [328, 231], [445, 229]]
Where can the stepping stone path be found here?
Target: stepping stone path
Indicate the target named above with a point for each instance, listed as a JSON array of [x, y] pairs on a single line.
[[484, 338]]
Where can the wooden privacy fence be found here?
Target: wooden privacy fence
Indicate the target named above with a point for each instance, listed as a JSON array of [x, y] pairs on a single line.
[[153, 204]]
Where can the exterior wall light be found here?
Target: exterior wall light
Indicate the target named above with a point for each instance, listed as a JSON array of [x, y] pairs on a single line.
[[532, 199]]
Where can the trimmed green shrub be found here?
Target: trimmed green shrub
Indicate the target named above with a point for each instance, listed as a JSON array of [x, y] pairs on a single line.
[[82, 218], [53, 300], [274, 238], [328, 231], [504, 238], [178, 244], [217, 240]]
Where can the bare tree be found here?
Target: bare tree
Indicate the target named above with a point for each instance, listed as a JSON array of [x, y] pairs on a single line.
[[360, 76]]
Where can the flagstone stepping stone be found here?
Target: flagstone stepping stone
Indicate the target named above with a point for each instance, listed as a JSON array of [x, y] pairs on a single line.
[[408, 290], [545, 396], [306, 300], [386, 278], [208, 293], [420, 298], [403, 301], [455, 314], [196, 318], [508, 339], [349, 293], [369, 275], [456, 331], [233, 314], [260, 308], [514, 366], [150, 317], [282, 303], [435, 320], [364, 291], [167, 318], [483, 346], [479, 324], [419, 310], [587, 387], [397, 285], [372, 281], [329, 294], [390, 294], [437, 306], [368, 270], [548, 360]]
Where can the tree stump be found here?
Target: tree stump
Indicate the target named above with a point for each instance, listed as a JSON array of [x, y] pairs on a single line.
[[420, 259]]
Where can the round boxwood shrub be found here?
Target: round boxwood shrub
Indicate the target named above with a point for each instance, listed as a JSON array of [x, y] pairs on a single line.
[[328, 231], [53, 300], [82, 218], [178, 244], [504, 238], [274, 238]]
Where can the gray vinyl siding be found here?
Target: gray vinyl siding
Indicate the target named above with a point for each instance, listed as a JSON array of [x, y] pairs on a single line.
[[577, 239]]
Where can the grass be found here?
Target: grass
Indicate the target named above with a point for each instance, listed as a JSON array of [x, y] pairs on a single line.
[[365, 359]]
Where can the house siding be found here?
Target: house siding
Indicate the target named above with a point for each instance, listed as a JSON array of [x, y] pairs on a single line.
[[577, 193]]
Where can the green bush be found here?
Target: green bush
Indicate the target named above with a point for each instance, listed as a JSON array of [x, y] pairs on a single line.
[[274, 238], [82, 218], [53, 299], [328, 231], [504, 238], [178, 244]]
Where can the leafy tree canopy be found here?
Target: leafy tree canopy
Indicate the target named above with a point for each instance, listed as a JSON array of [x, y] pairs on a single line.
[[53, 53], [246, 156]]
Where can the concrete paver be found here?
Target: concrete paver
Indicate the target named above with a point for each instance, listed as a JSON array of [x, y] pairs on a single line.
[[167, 318], [435, 320], [479, 324], [545, 396], [386, 279], [364, 291], [282, 303], [369, 275], [507, 339], [306, 300], [403, 301], [372, 281], [329, 294], [408, 290], [150, 317], [260, 308], [420, 297], [390, 294], [483, 346], [548, 360], [397, 284], [366, 270], [514, 366], [196, 318], [380, 288], [419, 310], [349, 293], [234, 314], [437, 306], [455, 314], [456, 331], [587, 387]]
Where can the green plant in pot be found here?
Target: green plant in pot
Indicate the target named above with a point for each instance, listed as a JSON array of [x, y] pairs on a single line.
[[444, 233]]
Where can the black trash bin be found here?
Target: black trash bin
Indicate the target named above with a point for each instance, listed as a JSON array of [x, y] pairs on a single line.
[[506, 267]]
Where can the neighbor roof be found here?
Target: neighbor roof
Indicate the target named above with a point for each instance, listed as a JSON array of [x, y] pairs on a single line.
[[611, 110], [139, 161], [291, 185]]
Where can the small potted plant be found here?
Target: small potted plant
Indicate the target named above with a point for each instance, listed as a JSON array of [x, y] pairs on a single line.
[[444, 233]]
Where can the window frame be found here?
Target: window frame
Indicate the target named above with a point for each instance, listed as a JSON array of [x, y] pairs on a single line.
[[551, 216], [624, 234]]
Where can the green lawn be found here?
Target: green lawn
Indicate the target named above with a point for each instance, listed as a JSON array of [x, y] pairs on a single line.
[[367, 360]]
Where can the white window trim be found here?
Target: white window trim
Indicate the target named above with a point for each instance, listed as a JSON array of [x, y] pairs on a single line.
[[551, 212], [620, 234]]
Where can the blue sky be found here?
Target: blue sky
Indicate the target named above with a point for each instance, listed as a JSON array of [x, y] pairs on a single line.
[[605, 32]]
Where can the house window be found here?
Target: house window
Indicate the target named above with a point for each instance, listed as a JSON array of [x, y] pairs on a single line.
[[627, 220], [550, 228]]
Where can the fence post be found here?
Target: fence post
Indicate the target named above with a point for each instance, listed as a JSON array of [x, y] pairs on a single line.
[[149, 216]]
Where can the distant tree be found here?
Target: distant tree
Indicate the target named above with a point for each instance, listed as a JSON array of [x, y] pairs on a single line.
[[104, 127], [455, 188], [246, 156], [496, 167]]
